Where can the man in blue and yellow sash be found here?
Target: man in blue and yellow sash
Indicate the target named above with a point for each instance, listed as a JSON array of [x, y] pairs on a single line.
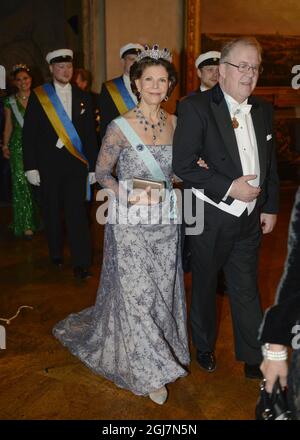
[[116, 96], [60, 151]]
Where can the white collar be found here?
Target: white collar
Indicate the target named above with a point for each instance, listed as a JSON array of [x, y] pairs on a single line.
[[126, 80], [203, 88], [62, 88], [232, 102]]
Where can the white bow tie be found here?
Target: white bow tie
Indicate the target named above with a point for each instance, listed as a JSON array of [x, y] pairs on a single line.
[[241, 108]]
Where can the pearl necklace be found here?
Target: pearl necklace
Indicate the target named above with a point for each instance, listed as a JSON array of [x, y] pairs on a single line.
[[158, 127]]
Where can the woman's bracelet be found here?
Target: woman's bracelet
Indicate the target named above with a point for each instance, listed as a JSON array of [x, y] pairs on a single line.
[[274, 355]]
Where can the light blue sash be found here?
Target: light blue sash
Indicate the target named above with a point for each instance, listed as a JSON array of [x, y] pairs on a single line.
[[16, 111], [147, 157]]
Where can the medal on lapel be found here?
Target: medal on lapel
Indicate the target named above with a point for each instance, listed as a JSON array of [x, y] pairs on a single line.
[[235, 122], [82, 109]]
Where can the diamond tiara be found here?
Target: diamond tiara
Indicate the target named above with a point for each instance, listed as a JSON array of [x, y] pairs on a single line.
[[155, 52], [20, 67]]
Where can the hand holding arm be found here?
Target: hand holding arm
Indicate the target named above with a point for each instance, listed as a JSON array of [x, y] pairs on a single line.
[[202, 163]]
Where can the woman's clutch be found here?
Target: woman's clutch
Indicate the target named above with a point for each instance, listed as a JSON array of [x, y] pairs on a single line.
[[158, 187]]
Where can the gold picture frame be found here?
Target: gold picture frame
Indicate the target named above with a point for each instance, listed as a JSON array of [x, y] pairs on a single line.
[[192, 43]]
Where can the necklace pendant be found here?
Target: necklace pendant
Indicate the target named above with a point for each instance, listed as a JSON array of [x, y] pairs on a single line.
[[156, 128], [235, 122]]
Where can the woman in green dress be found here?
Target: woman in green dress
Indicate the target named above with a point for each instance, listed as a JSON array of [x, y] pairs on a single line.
[[25, 211]]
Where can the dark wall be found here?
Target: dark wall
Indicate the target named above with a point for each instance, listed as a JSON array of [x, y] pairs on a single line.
[[29, 29]]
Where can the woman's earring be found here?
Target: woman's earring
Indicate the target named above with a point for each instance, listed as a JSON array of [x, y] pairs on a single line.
[[166, 98], [138, 95]]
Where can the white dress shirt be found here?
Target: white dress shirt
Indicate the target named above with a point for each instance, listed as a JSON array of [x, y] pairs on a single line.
[[247, 146], [65, 95], [203, 88], [126, 80]]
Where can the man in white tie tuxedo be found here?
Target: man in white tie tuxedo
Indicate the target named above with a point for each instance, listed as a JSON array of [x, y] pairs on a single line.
[[60, 152], [233, 133]]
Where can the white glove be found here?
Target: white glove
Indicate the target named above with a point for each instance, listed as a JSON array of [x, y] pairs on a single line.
[[33, 177], [92, 178]]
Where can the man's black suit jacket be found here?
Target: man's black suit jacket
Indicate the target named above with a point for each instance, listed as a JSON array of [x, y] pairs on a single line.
[[108, 109], [39, 138], [204, 129]]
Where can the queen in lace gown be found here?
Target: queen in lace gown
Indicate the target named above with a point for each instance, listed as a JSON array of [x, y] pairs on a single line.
[[135, 335]]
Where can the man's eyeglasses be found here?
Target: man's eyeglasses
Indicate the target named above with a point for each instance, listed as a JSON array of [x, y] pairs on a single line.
[[245, 68]]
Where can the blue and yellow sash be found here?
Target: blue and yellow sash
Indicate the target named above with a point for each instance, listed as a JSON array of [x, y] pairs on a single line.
[[120, 95], [61, 123]]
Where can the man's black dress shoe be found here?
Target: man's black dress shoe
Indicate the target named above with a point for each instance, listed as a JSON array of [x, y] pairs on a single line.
[[81, 273], [253, 371], [57, 261], [207, 360]]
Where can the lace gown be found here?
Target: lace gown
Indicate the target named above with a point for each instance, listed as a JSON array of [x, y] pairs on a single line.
[[135, 335]]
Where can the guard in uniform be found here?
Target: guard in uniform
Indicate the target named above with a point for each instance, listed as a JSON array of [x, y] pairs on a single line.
[[60, 152], [116, 97], [207, 65]]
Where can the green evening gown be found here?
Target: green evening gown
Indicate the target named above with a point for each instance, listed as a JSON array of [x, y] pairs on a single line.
[[25, 210]]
